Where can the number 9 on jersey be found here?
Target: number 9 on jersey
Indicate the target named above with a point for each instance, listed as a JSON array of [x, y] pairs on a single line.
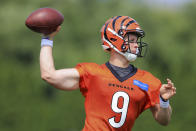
[[115, 108]]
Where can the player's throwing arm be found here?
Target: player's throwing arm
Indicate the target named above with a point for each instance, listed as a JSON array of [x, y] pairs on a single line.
[[47, 21]]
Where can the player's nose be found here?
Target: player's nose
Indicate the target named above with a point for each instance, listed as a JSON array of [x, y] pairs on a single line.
[[135, 44]]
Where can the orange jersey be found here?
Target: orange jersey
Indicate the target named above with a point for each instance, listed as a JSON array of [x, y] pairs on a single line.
[[113, 103]]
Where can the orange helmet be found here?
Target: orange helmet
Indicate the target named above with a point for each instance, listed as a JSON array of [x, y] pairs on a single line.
[[114, 31]]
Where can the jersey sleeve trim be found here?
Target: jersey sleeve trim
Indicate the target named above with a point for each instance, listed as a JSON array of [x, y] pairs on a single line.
[[83, 74]]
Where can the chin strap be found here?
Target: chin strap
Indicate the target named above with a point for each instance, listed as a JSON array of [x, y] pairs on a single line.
[[129, 56]]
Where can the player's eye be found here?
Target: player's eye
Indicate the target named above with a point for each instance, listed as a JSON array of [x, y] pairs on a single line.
[[132, 41]]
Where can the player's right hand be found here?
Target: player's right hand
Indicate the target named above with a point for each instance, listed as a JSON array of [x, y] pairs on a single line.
[[51, 36]]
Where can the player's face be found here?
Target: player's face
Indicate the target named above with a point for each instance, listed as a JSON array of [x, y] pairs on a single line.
[[131, 39]]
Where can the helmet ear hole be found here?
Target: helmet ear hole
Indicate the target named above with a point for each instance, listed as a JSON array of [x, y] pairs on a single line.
[[124, 48], [120, 32], [113, 39]]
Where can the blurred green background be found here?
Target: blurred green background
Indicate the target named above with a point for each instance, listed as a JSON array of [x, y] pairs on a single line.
[[27, 103]]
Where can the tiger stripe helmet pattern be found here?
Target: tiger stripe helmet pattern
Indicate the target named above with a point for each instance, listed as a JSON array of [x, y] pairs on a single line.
[[114, 30]]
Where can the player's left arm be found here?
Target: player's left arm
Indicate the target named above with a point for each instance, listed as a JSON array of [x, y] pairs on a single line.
[[162, 112]]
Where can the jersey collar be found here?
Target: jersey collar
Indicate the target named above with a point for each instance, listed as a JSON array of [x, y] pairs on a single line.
[[121, 79]]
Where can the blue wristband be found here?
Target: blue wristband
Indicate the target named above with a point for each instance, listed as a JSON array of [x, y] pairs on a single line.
[[164, 104], [46, 42]]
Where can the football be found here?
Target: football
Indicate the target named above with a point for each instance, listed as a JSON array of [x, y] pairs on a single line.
[[44, 20]]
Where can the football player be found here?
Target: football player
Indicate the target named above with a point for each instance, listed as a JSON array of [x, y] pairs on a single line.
[[116, 92]]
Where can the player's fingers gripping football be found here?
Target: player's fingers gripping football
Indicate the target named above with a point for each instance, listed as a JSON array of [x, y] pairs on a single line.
[[55, 32], [167, 90]]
